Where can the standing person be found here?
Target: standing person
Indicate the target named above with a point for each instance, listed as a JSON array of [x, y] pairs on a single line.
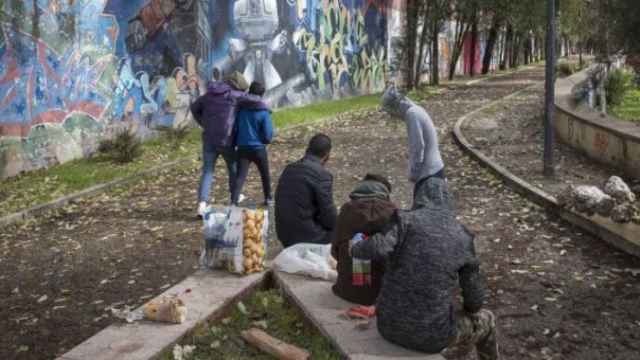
[[215, 112], [305, 211], [368, 212], [425, 160], [428, 255], [254, 131]]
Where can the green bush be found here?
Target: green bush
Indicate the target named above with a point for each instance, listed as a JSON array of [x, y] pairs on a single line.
[[565, 69], [123, 148], [617, 85], [175, 135]]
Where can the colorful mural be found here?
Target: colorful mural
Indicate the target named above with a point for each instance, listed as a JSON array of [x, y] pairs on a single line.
[[74, 71]]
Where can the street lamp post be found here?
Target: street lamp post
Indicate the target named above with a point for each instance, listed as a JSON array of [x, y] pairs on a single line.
[[549, 114]]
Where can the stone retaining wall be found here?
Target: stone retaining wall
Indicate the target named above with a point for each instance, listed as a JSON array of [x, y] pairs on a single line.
[[602, 138]]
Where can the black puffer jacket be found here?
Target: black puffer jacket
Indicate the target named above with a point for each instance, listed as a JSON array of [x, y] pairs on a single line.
[[305, 211], [429, 254]]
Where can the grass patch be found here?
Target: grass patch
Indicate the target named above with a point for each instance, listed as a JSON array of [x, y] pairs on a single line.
[[293, 116], [629, 108], [45, 185], [423, 92], [222, 340]]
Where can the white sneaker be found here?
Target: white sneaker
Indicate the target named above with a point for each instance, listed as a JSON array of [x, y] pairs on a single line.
[[202, 209], [241, 198]]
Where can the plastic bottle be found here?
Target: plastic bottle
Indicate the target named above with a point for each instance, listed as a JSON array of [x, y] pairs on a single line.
[[361, 269]]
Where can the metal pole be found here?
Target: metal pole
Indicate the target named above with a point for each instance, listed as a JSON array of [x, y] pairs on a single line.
[[550, 89]]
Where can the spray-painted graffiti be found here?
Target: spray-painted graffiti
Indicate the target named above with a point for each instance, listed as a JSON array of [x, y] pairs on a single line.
[[601, 142], [74, 71]]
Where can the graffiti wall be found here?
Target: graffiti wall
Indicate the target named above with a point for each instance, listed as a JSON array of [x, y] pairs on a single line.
[[74, 71]]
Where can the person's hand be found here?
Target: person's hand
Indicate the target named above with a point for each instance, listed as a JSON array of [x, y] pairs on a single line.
[[324, 160]]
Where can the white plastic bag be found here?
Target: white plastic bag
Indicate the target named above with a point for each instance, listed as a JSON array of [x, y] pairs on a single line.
[[307, 259], [235, 239]]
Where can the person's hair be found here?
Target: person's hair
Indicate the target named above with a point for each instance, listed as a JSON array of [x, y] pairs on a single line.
[[378, 178], [237, 81], [319, 145], [256, 88]]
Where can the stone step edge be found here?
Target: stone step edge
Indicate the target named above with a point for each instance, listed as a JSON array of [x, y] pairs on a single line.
[[294, 300], [118, 340], [618, 235]]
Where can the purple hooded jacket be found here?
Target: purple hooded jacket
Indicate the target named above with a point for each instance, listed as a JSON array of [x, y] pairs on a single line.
[[215, 112]]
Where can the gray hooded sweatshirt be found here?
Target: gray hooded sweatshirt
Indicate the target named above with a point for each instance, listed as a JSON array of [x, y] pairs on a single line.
[[424, 154]]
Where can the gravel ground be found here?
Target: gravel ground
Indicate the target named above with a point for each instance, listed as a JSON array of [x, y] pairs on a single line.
[[559, 293]]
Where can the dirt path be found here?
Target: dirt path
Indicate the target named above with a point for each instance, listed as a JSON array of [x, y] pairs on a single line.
[[559, 293], [512, 133]]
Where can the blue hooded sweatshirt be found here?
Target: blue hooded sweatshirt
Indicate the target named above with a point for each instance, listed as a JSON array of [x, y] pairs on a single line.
[[253, 126]]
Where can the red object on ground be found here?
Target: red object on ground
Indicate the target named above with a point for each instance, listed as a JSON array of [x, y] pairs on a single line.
[[360, 311]]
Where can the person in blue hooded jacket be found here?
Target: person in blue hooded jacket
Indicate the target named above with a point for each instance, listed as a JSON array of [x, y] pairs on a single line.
[[253, 132]]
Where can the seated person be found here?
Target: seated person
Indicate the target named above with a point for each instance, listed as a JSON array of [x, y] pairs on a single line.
[[368, 212], [304, 210], [428, 252]]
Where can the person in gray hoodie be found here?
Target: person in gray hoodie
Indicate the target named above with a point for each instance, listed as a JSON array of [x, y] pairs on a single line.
[[428, 255], [425, 160]]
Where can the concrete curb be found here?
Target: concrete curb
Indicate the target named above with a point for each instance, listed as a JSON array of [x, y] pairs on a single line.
[[603, 138], [207, 295], [323, 310], [61, 201], [623, 236], [499, 75]]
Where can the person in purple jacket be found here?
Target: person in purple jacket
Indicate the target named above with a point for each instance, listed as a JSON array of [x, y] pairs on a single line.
[[254, 131], [215, 112]]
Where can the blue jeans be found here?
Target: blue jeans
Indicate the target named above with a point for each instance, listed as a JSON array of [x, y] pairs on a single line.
[[210, 155]]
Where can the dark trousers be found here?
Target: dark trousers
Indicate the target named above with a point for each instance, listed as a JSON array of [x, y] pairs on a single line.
[[245, 157]]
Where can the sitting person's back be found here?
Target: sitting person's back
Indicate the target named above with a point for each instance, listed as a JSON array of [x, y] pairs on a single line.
[[429, 256], [368, 212], [304, 209]]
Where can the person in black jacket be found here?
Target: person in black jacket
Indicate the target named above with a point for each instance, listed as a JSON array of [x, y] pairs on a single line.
[[304, 208]]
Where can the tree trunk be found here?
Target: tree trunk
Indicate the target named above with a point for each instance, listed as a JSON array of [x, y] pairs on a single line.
[[411, 37], [435, 54], [474, 42], [462, 28], [506, 60], [491, 42], [423, 41], [517, 51], [580, 59]]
